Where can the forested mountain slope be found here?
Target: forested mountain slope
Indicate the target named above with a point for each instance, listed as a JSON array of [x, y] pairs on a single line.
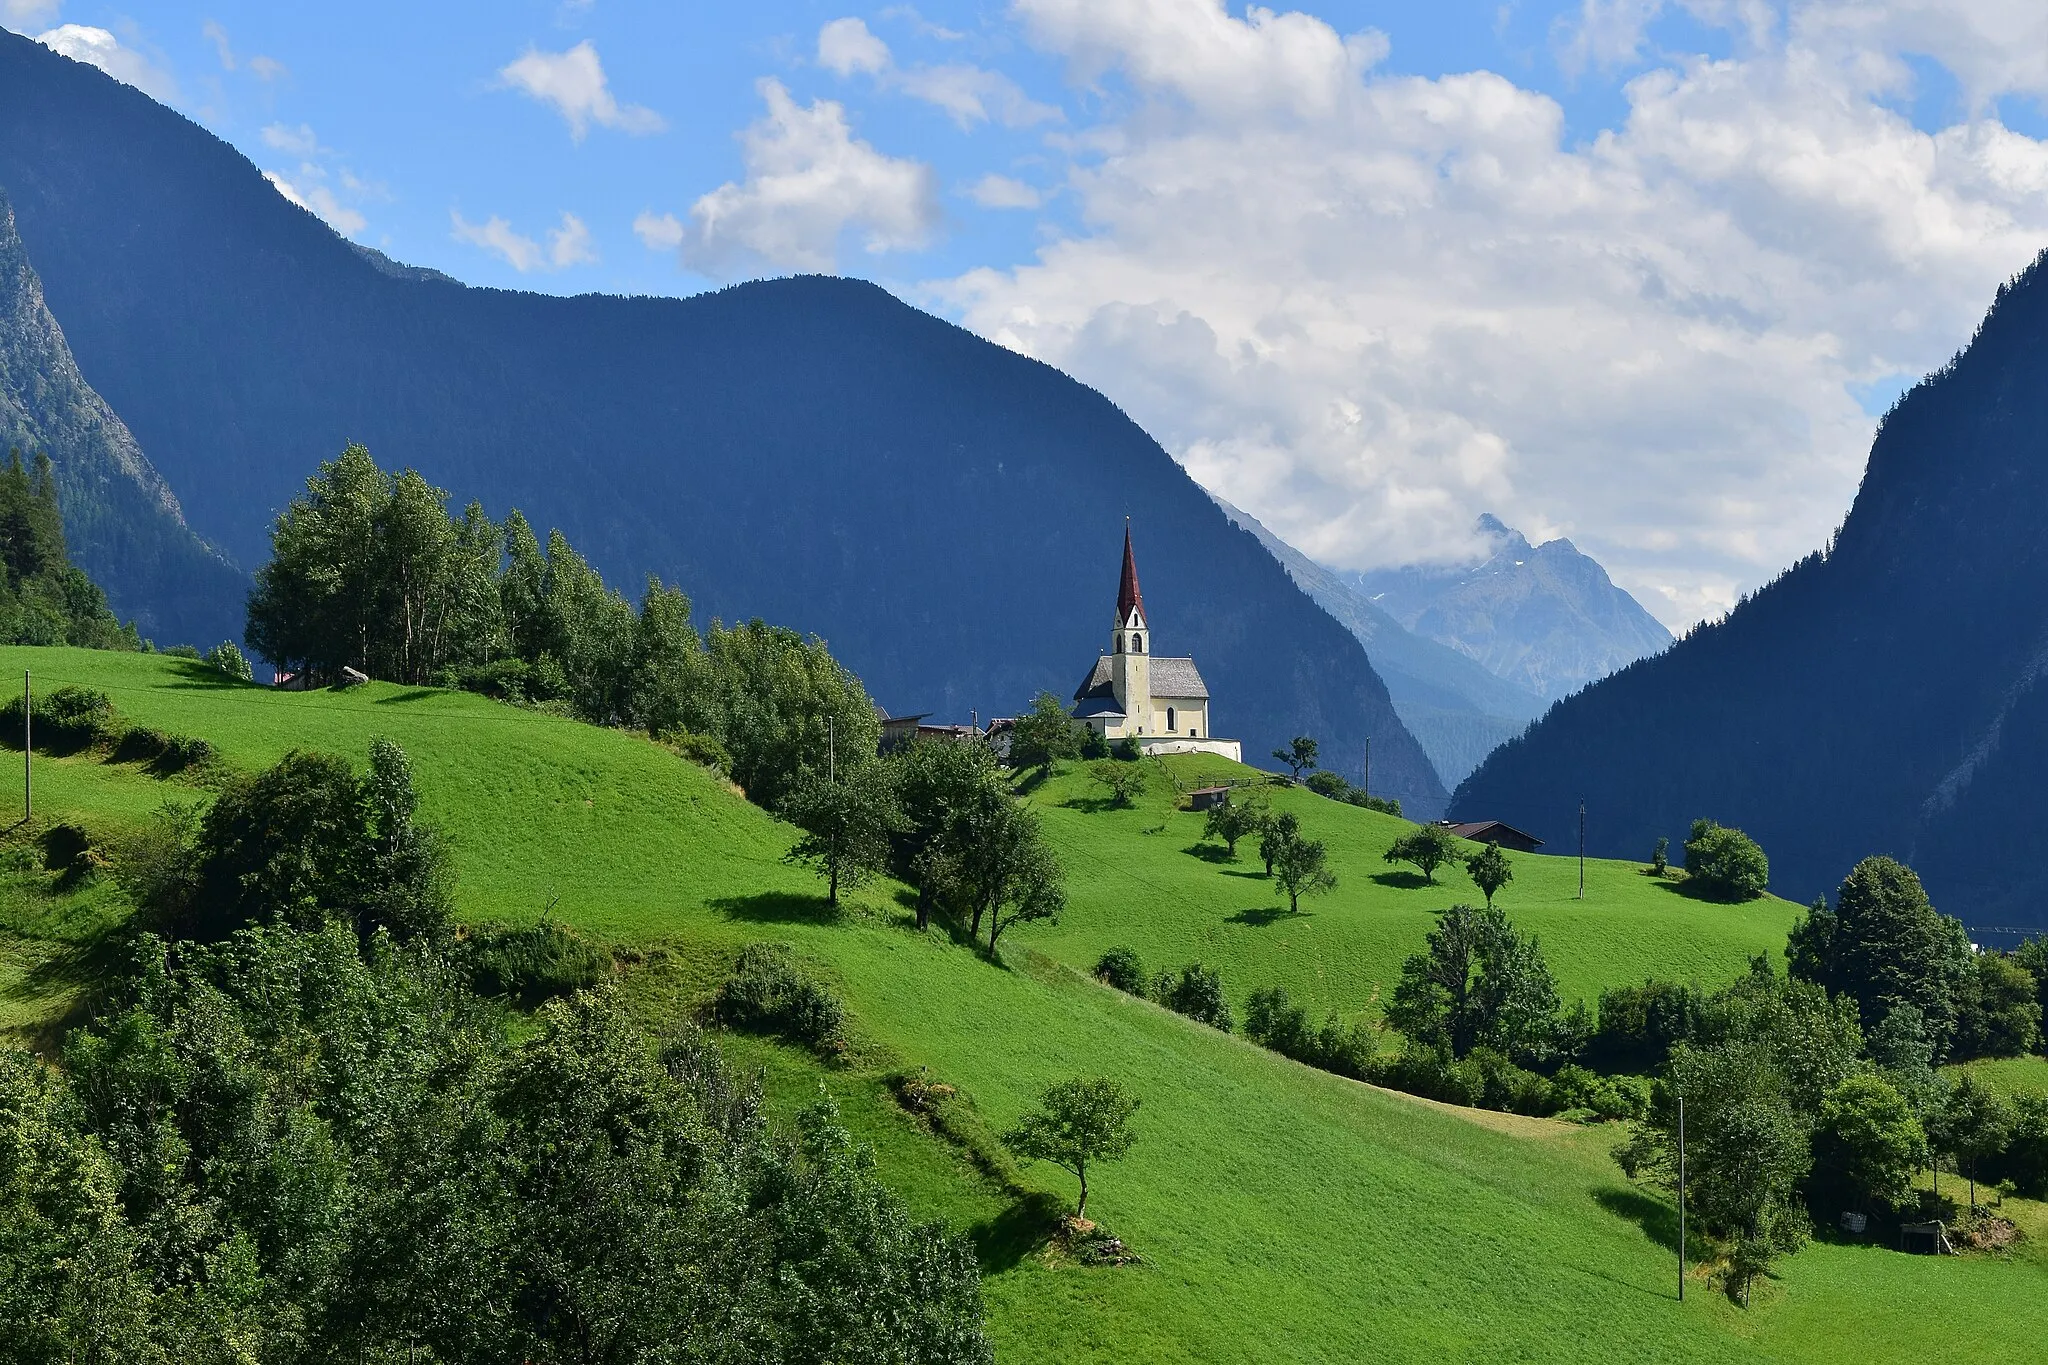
[[810, 450], [122, 522], [1884, 697]]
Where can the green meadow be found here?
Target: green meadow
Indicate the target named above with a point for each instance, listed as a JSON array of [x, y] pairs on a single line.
[[1281, 1213]]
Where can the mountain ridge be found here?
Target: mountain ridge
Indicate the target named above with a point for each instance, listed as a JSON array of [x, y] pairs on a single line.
[[1544, 617], [809, 450], [1882, 696]]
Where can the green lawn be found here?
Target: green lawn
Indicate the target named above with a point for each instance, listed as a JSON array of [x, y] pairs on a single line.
[[1141, 877], [1284, 1214]]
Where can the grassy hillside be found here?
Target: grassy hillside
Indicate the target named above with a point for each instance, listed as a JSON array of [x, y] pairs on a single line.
[[1283, 1213], [1141, 877]]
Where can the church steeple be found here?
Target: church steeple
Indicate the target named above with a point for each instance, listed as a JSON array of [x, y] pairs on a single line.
[[1129, 601]]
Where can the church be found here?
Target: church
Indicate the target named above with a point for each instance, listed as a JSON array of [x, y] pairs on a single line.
[[1159, 703]]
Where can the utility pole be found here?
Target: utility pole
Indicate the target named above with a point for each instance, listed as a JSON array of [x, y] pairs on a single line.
[[1582, 848], [1681, 1197], [1365, 773], [28, 748]]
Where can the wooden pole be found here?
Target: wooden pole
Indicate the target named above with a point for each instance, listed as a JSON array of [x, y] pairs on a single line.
[[1365, 773], [1681, 1198], [28, 748], [1582, 848]]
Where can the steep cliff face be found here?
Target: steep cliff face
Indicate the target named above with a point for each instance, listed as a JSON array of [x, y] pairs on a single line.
[[1889, 696], [945, 512], [121, 520]]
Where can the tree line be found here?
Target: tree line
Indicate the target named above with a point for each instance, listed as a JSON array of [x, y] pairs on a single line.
[[45, 599], [370, 571]]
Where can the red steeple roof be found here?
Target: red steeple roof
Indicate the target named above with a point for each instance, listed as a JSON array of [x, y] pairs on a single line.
[[1127, 594]]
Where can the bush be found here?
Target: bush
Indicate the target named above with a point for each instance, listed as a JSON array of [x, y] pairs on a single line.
[[534, 963], [66, 720], [1272, 1019], [503, 679], [1724, 864], [2025, 1159], [1197, 992], [1328, 784], [1093, 745], [1120, 968], [1126, 750], [181, 652], [768, 993], [699, 748], [1385, 805], [226, 657], [1601, 1097], [181, 752]]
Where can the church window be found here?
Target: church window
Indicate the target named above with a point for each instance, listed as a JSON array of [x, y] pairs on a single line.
[[1137, 644], [1169, 720], [1119, 644]]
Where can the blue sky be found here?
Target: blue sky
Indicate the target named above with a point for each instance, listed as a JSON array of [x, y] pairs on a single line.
[[1641, 272]]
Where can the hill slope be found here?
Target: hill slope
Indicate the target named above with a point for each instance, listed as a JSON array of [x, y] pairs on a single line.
[[1544, 617], [1283, 1213], [1455, 708], [811, 451], [1885, 697], [122, 522]]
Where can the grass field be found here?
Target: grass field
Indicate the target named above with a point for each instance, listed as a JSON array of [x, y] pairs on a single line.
[[1284, 1214], [1141, 877]]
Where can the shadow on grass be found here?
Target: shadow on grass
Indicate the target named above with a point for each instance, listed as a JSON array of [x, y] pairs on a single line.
[[1657, 1219], [1260, 876], [1402, 881], [410, 694], [1096, 805], [1210, 853], [1262, 916], [194, 674], [777, 907], [1006, 1239]]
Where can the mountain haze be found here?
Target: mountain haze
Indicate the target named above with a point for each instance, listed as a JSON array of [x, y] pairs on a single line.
[[812, 451], [1887, 696], [1456, 709], [122, 522], [1544, 617]]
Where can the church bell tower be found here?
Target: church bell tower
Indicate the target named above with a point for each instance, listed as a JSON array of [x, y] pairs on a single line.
[[1130, 650]]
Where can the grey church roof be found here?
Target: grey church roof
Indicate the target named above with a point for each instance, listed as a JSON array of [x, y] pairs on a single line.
[[1170, 678]]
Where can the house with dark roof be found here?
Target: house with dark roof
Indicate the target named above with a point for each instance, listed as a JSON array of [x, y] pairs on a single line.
[[1495, 832], [1159, 702]]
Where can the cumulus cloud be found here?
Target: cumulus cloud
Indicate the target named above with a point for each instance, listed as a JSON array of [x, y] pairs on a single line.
[[968, 94], [568, 244], [1367, 308], [317, 198], [846, 46], [20, 14], [574, 83], [994, 191], [659, 232], [809, 182], [97, 47]]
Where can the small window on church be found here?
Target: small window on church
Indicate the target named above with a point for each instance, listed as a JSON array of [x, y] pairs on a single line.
[[1119, 644], [1169, 720], [1137, 644]]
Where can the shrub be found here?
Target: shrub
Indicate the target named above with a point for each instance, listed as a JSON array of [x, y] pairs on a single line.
[[503, 679], [768, 993], [1093, 745], [1120, 968], [1126, 750], [1725, 864], [2025, 1159], [1385, 805], [226, 657], [181, 752], [1272, 1019], [1197, 992], [66, 720], [1328, 784], [1122, 783], [1600, 1097], [699, 748], [181, 652], [534, 963]]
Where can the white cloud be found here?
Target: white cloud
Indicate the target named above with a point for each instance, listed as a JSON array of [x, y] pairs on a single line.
[[994, 191], [318, 199], [297, 141], [809, 181], [19, 14], [218, 36], [968, 94], [846, 46], [1368, 308], [574, 83], [267, 68], [97, 47], [664, 232], [567, 245]]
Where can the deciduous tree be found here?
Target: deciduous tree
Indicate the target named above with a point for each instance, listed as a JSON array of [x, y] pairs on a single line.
[[1078, 1124], [1490, 871], [1429, 847]]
